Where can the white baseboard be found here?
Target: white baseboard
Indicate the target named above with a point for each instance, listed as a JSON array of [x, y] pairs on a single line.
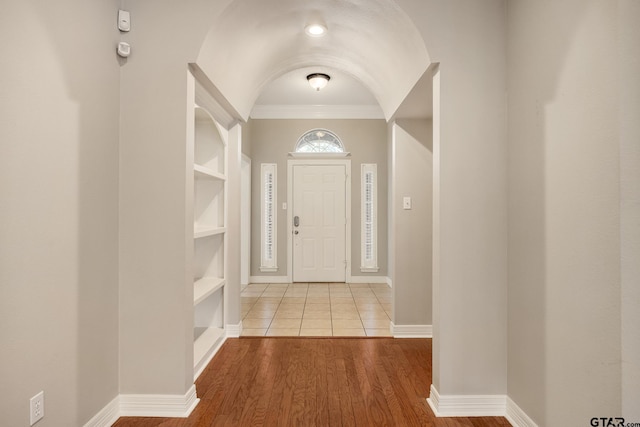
[[234, 331], [107, 415], [516, 416], [269, 279], [203, 365], [351, 279], [367, 279], [434, 400], [390, 282], [411, 331], [158, 405], [467, 405]]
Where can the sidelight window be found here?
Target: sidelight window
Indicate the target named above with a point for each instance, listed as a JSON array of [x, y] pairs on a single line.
[[369, 213], [268, 219]]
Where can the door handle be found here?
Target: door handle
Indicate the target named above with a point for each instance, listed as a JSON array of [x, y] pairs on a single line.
[[296, 221]]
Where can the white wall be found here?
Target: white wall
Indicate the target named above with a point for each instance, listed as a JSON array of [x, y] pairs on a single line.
[[234, 225], [251, 42], [412, 171], [272, 140], [246, 141], [564, 210], [59, 117]]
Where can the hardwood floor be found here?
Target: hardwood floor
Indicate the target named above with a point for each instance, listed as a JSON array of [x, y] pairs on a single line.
[[316, 382]]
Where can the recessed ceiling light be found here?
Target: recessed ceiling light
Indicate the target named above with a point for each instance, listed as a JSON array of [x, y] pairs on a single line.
[[315, 30]]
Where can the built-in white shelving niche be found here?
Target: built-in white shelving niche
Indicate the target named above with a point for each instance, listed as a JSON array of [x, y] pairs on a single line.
[[208, 202], [208, 328], [209, 230], [208, 257], [210, 142], [206, 286]]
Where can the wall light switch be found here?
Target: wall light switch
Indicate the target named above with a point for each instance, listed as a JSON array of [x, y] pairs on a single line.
[[284, 206], [406, 202]]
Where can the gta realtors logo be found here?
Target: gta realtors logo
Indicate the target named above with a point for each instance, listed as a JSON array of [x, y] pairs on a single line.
[[611, 422]]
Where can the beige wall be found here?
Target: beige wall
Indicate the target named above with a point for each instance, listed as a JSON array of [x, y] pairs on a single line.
[[155, 352], [472, 182], [629, 102], [272, 140], [564, 210], [412, 172], [59, 98], [470, 230], [156, 325], [63, 97]]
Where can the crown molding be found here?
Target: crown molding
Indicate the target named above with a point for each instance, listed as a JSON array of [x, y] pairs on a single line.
[[316, 112]]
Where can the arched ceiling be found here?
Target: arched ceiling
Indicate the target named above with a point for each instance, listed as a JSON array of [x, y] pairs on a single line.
[[254, 42], [291, 96]]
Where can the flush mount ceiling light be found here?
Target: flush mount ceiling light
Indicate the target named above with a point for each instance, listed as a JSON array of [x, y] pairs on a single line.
[[318, 80], [315, 30]]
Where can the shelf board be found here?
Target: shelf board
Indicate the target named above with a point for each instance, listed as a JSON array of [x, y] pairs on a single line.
[[205, 343], [204, 231], [204, 287], [208, 173]]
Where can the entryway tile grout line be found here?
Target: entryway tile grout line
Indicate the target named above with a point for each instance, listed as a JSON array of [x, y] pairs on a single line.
[[289, 288]]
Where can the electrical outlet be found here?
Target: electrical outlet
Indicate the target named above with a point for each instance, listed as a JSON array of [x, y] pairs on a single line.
[[36, 405]]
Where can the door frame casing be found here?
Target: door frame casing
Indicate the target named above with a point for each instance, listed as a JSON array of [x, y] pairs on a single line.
[[347, 191], [245, 220]]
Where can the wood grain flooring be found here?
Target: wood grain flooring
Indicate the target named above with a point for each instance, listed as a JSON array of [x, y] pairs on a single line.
[[316, 382]]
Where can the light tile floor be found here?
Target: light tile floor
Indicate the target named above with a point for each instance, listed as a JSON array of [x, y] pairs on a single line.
[[316, 309]]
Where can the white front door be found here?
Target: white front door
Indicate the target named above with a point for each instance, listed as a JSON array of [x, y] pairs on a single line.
[[319, 238]]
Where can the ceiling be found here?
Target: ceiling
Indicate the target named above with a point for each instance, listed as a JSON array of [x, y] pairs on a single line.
[[291, 96], [258, 55]]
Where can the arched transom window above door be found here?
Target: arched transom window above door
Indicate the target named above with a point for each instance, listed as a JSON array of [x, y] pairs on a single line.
[[320, 141]]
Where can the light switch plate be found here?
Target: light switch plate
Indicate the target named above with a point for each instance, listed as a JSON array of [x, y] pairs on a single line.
[[406, 202]]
